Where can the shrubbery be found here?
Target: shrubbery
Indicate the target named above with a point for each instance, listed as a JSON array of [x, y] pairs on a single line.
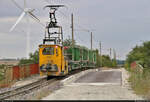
[[140, 54], [2, 71], [106, 61], [140, 82], [34, 58]]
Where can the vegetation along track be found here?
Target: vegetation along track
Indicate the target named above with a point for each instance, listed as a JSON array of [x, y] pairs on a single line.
[[26, 88]]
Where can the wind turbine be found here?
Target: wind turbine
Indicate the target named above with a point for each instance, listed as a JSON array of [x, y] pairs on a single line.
[[28, 13]]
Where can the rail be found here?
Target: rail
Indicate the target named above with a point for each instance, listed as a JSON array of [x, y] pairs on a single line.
[[25, 89]]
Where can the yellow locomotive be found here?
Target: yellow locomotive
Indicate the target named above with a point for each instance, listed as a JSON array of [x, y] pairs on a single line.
[[52, 61]]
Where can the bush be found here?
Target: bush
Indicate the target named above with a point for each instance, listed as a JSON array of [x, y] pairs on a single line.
[[106, 61], [140, 82], [140, 54], [2, 71], [34, 58]]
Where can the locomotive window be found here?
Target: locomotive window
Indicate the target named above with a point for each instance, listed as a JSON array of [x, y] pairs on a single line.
[[48, 51]]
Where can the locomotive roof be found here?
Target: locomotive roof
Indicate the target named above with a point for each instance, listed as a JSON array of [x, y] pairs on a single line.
[[48, 45]]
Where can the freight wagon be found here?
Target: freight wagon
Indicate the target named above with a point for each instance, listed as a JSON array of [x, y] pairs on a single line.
[[79, 57]]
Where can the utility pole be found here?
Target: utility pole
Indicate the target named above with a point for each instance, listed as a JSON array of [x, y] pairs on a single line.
[[91, 40], [100, 53], [114, 59], [114, 53], [110, 53], [72, 27]]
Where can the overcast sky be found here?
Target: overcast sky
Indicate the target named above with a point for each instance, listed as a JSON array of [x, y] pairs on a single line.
[[118, 24]]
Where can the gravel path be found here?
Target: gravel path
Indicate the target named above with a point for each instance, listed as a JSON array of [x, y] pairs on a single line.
[[104, 90]]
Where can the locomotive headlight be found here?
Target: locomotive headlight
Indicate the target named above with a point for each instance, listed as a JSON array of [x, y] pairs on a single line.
[[49, 67], [43, 67], [54, 67]]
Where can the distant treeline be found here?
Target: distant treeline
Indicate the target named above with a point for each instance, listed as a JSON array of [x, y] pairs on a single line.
[[120, 62], [9, 59]]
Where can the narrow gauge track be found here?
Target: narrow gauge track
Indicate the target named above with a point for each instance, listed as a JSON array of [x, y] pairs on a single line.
[[33, 86], [26, 88]]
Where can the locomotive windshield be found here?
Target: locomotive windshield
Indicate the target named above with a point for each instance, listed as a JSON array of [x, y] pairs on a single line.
[[48, 51]]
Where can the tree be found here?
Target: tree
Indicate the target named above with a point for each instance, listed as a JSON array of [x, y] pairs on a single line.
[[34, 58], [98, 63], [114, 60], [3, 69], [106, 61], [140, 54], [68, 42]]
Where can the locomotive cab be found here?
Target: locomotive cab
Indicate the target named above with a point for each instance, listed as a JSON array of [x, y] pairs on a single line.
[[52, 61]]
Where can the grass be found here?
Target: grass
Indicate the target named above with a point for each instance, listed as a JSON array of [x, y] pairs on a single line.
[[1, 72], [1, 76], [140, 82]]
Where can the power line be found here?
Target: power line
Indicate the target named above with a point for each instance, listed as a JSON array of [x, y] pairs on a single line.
[[83, 41]]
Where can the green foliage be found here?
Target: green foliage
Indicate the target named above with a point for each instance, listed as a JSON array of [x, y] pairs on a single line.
[[106, 61], [114, 63], [140, 82], [25, 61], [2, 66], [114, 60], [140, 54], [34, 58], [2, 71], [98, 58], [127, 66], [68, 42], [1, 76]]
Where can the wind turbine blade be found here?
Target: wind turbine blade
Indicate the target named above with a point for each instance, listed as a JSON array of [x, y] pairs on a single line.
[[19, 19], [35, 18], [17, 5]]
